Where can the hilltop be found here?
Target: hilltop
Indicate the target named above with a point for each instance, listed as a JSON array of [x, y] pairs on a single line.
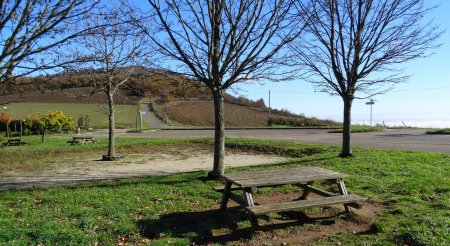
[[186, 102]]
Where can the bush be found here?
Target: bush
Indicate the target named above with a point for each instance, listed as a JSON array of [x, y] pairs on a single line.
[[300, 121], [53, 122]]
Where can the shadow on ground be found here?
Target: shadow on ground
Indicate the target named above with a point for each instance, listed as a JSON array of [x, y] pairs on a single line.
[[215, 226]]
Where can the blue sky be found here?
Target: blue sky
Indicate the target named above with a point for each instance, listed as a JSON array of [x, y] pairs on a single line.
[[423, 101]]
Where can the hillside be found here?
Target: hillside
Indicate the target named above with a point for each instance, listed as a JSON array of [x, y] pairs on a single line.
[[201, 113], [82, 95], [189, 102]]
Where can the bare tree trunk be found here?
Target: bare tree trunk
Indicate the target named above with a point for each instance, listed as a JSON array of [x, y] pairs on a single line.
[[112, 127], [346, 145], [219, 137]]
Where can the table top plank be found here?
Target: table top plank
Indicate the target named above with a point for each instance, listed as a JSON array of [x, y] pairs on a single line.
[[282, 176]]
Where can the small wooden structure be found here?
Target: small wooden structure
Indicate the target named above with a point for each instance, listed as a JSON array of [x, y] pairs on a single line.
[[14, 142], [248, 182], [82, 140]]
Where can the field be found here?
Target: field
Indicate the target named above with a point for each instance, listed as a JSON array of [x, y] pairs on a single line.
[[125, 114], [411, 189], [201, 113]]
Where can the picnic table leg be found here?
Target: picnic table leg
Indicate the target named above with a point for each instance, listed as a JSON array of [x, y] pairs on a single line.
[[225, 196], [250, 203], [306, 191], [343, 191]]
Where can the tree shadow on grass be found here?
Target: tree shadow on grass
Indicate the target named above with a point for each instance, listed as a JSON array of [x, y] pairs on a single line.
[[202, 227], [215, 226]]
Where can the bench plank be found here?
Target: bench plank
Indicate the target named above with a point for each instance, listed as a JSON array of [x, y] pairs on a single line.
[[287, 206], [277, 177]]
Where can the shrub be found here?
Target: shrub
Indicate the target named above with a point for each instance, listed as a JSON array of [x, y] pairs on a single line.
[[53, 122]]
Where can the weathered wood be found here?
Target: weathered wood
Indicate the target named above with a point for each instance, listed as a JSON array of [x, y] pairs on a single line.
[[328, 194], [306, 190], [226, 195], [301, 204], [317, 190], [343, 191], [14, 142], [248, 197], [282, 176], [82, 140], [221, 188]]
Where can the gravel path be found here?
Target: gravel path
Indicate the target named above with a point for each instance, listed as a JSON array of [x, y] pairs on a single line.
[[76, 170]]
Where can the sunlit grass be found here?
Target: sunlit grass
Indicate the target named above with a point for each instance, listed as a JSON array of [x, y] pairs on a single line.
[[414, 187]]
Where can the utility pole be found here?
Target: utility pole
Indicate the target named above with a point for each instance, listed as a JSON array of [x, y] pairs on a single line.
[[371, 103], [167, 111], [270, 117]]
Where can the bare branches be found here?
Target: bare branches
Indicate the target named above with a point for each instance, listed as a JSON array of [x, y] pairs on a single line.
[[111, 51], [30, 29], [351, 41], [354, 46], [226, 42]]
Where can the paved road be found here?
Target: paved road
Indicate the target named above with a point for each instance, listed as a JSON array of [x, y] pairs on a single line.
[[153, 122], [407, 139]]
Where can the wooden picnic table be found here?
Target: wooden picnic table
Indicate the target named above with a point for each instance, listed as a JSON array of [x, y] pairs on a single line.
[[248, 182], [14, 142], [82, 140]]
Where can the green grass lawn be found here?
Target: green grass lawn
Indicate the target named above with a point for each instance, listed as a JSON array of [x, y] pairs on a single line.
[[125, 114], [356, 129], [413, 186], [443, 131]]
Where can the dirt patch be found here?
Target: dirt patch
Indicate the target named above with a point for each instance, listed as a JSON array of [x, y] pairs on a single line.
[[305, 227], [76, 169]]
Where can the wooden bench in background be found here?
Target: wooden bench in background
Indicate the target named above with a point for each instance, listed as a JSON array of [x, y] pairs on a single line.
[[14, 142], [82, 140]]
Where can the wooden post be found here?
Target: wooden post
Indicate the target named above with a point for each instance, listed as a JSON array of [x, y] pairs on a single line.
[[343, 191], [225, 196], [306, 191]]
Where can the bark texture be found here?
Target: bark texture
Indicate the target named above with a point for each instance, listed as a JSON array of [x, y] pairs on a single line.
[[219, 136]]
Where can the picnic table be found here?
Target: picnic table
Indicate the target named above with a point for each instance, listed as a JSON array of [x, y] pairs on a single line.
[[248, 182], [82, 140], [14, 142]]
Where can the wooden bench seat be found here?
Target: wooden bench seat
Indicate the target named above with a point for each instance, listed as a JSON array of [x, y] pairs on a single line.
[[82, 140], [288, 206], [14, 142]]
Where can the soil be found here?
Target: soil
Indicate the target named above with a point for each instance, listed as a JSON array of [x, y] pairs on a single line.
[[290, 228], [77, 169]]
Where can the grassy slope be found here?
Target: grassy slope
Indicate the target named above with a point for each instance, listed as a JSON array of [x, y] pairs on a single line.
[[413, 185], [125, 114]]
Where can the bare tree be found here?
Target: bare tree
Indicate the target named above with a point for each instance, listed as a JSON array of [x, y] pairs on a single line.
[[224, 42], [108, 55], [355, 46], [30, 29]]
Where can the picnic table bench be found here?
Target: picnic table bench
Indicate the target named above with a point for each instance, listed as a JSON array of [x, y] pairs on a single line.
[[304, 177], [14, 142], [82, 140]]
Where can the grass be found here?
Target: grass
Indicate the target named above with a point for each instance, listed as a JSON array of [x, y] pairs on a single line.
[[443, 131], [414, 187], [358, 129], [125, 114]]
